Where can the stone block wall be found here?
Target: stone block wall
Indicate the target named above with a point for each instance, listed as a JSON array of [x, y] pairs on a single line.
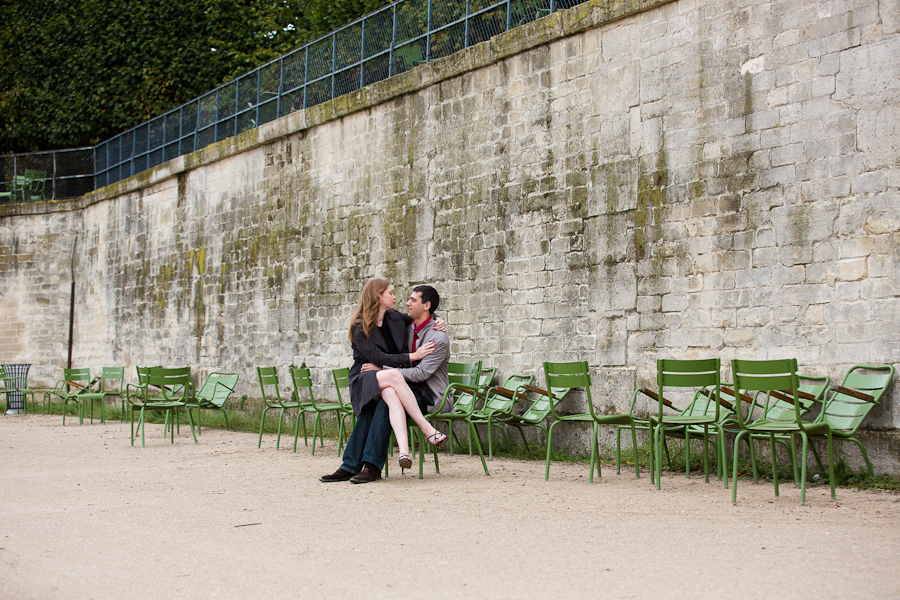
[[614, 183]]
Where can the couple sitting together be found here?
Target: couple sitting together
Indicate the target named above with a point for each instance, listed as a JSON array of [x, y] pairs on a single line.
[[413, 384]]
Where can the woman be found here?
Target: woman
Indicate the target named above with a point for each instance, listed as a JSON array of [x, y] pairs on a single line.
[[374, 330]]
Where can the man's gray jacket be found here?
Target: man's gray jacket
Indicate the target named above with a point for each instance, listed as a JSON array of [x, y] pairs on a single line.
[[433, 368]]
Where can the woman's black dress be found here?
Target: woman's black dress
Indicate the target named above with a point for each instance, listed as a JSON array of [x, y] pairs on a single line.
[[376, 350]]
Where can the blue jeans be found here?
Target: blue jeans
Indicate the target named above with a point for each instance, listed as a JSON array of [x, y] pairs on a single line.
[[369, 439]]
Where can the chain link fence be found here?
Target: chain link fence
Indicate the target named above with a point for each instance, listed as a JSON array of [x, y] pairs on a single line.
[[381, 44], [46, 175]]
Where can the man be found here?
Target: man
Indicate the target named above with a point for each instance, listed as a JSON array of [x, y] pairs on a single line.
[[368, 444]]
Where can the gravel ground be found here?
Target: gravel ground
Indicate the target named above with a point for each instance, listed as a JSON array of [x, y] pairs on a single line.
[[86, 515]]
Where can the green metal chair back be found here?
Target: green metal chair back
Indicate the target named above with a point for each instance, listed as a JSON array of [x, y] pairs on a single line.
[[766, 376], [35, 182], [142, 374], [566, 376], [268, 380], [694, 374], [845, 411], [301, 377], [462, 378], [540, 408], [342, 384], [466, 401], [77, 380], [108, 378], [778, 407], [814, 385], [175, 382], [217, 388], [501, 403], [486, 376]]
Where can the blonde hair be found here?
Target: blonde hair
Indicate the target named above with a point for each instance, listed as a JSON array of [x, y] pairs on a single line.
[[366, 313]]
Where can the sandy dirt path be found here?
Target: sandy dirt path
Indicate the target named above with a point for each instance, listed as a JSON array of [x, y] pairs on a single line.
[[85, 515]]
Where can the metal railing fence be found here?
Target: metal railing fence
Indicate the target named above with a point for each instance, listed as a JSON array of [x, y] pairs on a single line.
[[383, 43]]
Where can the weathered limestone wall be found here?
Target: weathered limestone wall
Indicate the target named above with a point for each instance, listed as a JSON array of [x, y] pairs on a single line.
[[615, 183]]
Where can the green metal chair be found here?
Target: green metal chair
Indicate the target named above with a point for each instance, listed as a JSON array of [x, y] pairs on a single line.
[[766, 376], [9, 191], [694, 375], [302, 380], [577, 375], [35, 183], [78, 385], [174, 385], [268, 380], [499, 403], [847, 405], [110, 389], [778, 406], [469, 401], [463, 378], [536, 413], [701, 403], [342, 384], [212, 395]]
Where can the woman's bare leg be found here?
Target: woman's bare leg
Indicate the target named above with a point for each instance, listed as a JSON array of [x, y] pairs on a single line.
[[391, 378], [398, 418]]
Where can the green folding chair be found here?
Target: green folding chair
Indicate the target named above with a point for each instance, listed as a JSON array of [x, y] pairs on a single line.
[[78, 384], [271, 396], [110, 389], [166, 390], [847, 405], [766, 376], [693, 375], [463, 378], [577, 375], [342, 385], [468, 402], [212, 395], [302, 380], [499, 403]]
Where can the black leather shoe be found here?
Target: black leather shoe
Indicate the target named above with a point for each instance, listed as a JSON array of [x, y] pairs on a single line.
[[368, 474], [339, 475]]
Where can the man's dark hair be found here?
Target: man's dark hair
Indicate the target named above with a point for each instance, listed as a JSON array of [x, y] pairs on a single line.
[[429, 294]]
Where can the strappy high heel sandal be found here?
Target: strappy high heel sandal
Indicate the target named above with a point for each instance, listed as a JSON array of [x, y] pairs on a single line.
[[405, 462], [436, 439]]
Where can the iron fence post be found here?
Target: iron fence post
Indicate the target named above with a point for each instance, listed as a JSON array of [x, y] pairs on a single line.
[[216, 120], [237, 104], [305, 74], [280, 87], [466, 43], [362, 55], [428, 34], [391, 57]]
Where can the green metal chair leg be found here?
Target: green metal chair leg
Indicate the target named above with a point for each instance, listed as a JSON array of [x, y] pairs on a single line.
[[774, 462]]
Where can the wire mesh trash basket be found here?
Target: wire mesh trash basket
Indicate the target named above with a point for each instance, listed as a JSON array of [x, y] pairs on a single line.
[[18, 379]]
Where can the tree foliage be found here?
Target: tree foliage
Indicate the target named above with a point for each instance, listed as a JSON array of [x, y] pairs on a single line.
[[76, 72]]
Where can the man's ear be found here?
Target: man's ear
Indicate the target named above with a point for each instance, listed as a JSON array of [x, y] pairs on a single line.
[[427, 306]]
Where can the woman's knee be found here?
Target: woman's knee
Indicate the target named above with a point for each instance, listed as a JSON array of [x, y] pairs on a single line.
[[391, 377]]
